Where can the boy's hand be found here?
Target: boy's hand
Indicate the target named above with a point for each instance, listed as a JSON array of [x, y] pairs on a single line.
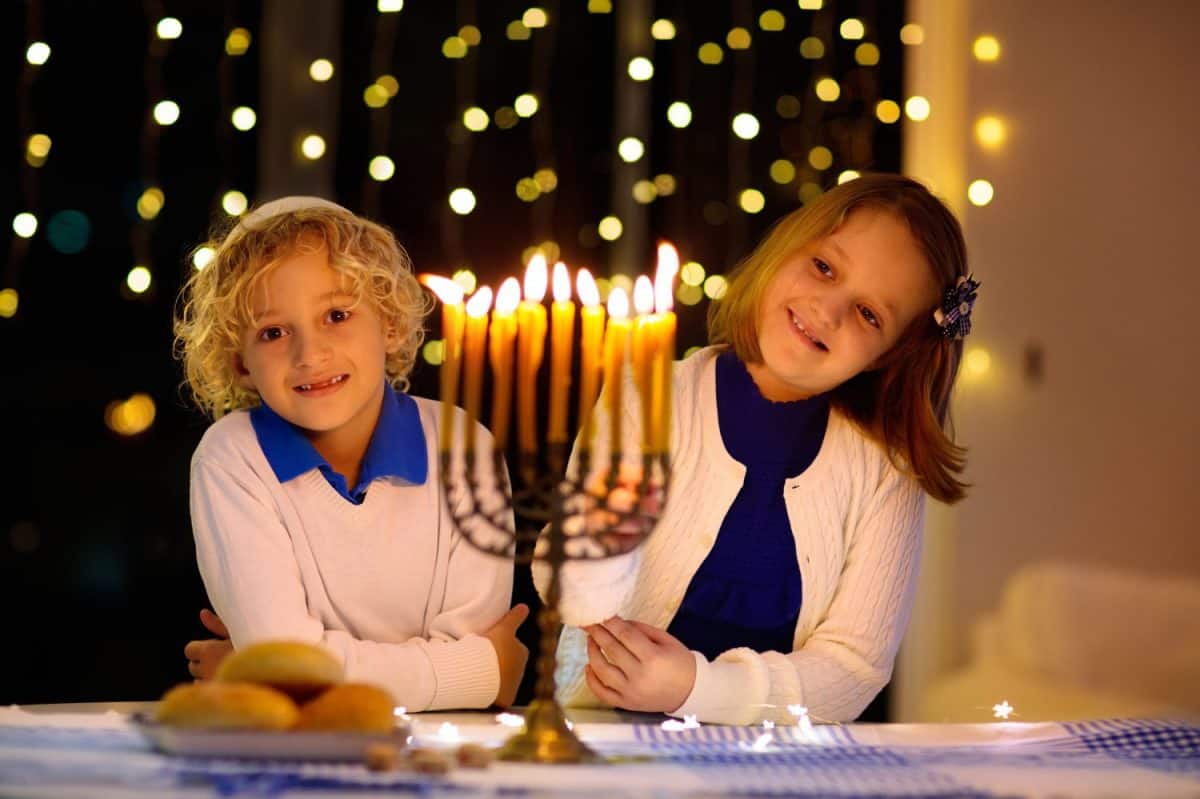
[[204, 656], [635, 666], [510, 652]]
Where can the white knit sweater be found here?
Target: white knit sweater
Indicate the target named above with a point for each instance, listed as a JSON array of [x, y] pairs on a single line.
[[387, 586], [857, 525]]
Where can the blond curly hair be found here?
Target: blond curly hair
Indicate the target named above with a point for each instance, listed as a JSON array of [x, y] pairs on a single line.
[[215, 304]]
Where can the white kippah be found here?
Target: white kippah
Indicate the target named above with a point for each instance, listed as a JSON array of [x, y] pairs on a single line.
[[284, 205]]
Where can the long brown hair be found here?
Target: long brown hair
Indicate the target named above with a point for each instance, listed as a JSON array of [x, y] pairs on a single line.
[[903, 401]]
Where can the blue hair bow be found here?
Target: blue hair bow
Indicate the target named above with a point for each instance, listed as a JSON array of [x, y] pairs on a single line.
[[954, 315]]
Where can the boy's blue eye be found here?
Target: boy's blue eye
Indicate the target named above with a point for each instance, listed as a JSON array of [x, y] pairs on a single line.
[[869, 315], [822, 267], [270, 334]]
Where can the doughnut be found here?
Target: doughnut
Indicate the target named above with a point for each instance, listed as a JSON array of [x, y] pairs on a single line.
[[298, 669], [349, 707], [227, 705]]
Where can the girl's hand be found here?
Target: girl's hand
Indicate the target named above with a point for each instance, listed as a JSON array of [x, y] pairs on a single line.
[[204, 656], [634, 666]]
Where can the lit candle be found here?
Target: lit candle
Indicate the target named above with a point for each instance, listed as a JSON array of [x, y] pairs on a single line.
[[644, 355], [500, 351], [615, 343], [451, 296], [591, 356], [562, 338], [477, 312], [531, 343], [664, 293]]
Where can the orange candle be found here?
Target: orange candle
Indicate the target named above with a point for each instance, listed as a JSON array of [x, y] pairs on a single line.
[[562, 338], [477, 312], [615, 343], [591, 355], [451, 296], [645, 345], [531, 344], [500, 351], [661, 393]]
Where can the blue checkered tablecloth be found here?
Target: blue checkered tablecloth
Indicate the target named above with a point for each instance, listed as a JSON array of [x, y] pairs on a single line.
[[1090, 758]]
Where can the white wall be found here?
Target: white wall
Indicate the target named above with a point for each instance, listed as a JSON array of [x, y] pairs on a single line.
[[1089, 251]]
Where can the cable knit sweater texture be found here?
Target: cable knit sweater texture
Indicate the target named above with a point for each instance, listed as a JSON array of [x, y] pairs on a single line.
[[857, 525], [388, 586]]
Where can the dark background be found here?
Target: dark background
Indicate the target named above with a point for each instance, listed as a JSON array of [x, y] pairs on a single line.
[[97, 568]]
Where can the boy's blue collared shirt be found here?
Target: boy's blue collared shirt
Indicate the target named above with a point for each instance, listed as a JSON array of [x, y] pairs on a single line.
[[397, 447]]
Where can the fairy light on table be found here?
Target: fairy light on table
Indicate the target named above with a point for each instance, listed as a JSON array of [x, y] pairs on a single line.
[[577, 511]]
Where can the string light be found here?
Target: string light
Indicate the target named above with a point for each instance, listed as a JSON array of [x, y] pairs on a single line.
[[986, 48], [37, 149], [679, 114], [610, 229], [738, 39], [715, 287], [243, 118], [810, 5], [454, 47], [691, 273], [820, 158], [475, 119], [990, 132], [1002, 710], [130, 417], [234, 203], [466, 280], [321, 70], [525, 105], [381, 168], [772, 21], [980, 192], [866, 54], [788, 106], [546, 179], [751, 201], [783, 171], [847, 175], [664, 184], [9, 302], [828, 90], [977, 362], [434, 352], [809, 191], [312, 146], [375, 96], [169, 28], [527, 189], [663, 30], [599, 6], [887, 111], [917, 108], [710, 53], [237, 42], [631, 149], [534, 18], [389, 84], [462, 201], [505, 117], [812, 48], [202, 257], [745, 126], [470, 34], [25, 224], [150, 203], [390, 6], [517, 31], [641, 68], [166, 112], [37, 53], [852, 29], [139, 279], [644, 192], [912, 34]]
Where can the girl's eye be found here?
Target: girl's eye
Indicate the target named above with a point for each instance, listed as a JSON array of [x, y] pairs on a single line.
[[869, 315], [338, 315], [271, 334], [822, 267]]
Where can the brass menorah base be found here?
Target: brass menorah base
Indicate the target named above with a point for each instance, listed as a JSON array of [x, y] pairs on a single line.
[[544, 500]]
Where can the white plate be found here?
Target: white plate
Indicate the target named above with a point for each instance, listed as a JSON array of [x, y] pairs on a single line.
[[266, 744]]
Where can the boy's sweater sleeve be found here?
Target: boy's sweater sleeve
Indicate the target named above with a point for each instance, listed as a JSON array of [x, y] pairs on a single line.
[[249, 568], [848, 658]]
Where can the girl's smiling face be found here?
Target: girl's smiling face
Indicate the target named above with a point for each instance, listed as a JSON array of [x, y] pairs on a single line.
[[837, 305]]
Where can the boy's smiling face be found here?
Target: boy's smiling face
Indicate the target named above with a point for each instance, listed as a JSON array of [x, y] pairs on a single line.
[[316, 354]]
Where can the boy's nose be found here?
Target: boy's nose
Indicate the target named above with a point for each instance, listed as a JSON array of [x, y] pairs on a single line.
[[309, 349]]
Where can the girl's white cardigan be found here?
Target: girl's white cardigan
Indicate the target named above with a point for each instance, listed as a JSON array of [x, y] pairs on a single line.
[[857, 524]]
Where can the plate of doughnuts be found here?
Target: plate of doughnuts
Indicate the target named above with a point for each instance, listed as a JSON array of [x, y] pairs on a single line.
[[284, 700]]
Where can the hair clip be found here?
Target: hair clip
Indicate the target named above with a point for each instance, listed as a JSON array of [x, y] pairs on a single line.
[[954, 316]]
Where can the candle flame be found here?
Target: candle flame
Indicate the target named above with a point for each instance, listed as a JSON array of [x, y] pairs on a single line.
[[508, 297], [586, 286], [618, 303], [664, 278], [562, 283], [643, 295], [480, 303], [449, 292], [536, 278]]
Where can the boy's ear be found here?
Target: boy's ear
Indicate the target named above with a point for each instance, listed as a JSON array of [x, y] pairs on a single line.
[[392, 338], [243, 374]]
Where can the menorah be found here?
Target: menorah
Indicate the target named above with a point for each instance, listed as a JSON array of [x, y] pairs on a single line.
[[599, 502]]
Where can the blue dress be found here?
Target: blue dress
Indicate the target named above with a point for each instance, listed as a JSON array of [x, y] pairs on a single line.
[[747, 592]]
